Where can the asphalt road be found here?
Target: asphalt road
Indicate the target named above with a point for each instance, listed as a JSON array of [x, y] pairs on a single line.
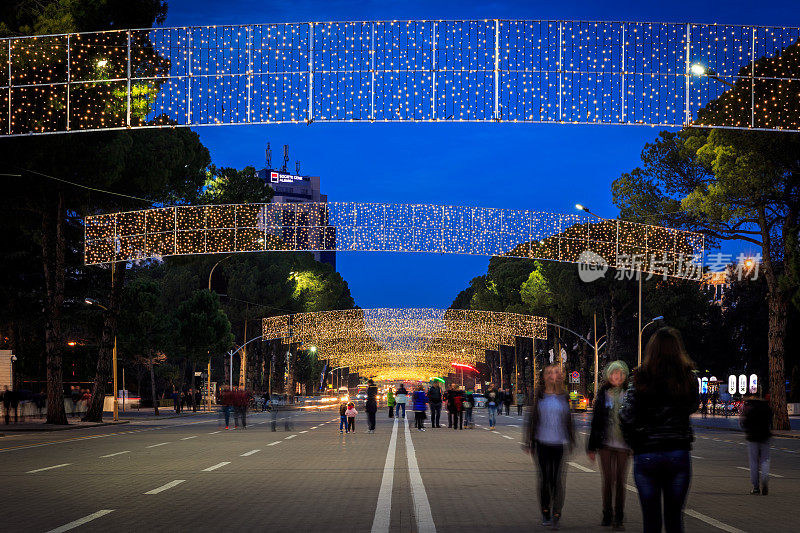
[[190, 474]]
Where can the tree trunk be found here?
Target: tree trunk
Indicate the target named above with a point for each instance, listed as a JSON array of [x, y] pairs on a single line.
[[105, 353], [152, 386], [54, 270], [778, 307]]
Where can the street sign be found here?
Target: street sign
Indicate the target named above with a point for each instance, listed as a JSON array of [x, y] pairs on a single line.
[[575, 377], [732, 384], [742, 384]]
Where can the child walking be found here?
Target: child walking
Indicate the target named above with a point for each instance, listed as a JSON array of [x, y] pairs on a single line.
[[351, 413], [343, 418]]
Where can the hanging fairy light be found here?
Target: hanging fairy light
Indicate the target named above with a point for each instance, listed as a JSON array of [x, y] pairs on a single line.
[[571, 72]]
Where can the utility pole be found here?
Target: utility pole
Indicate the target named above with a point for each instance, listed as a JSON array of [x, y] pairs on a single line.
[[596, 359]]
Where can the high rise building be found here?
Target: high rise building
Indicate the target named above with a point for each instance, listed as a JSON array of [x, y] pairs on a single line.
[[296, 189]]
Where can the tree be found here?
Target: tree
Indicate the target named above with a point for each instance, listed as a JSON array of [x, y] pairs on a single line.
[[231, 186], [735, 185]]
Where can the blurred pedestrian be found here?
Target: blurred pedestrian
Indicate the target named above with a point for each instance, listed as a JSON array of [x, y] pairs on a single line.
[[501, 397], [655, 421], [756, 421], [491, 405], [548, 437], [455, 407], [390, 401], [400, 398], [343, 418], [452, 415], [520, 402], [606, 439], [469, 405], [371, 406], [351, 413], [435, 400], [419, 403], [176, 402], [227, 404], [507, 398], [7, 404]]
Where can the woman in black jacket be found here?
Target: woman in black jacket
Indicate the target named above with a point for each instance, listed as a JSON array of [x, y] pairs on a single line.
[[606, 439], [655, 421], [371, 406]]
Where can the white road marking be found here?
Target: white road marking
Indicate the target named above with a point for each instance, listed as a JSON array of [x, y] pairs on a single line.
[[631, 488], [422, 507], [215, 432], [696, 457], [770, 474], [187, 438], [512, 425], [507, 437], [274, 443], [579, 467], [169, 485], [712, 521], [290, 437], [315, 427], [218, 465], [251, 452], [304, 431], [47, 468], [81, 521], [113, 454], [155, 445], [384, 508]]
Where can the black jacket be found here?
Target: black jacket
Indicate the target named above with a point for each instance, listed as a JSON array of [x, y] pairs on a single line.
[[532, 422], [756, 420], [434, 395], [597, 435], [372, 399], [657, 421]]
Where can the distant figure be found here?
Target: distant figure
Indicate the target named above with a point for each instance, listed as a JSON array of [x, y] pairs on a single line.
[[655, 421], [351, 413], [227, 404], [455, 408], [7, 404], [420, 401], [469, 405], [435, 400], [501, 398], [491, 405], [607, 440], [507, 401], [371, 405], [400, 399], [343, 426], [176, 403], [390, 402], [548, 436], [756, 421], [520, 402]]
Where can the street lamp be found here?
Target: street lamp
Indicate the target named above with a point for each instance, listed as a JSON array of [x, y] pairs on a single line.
[[102, 63], [656, 319], [700, 70], [92, 301]]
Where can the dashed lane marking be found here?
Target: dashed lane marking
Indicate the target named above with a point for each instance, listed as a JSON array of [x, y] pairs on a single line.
[[113, 454], [712, 521], [274, 443], [167, 486], [290, 437], [507, 437], [304, 431], [187, 438], [47, 468], [248, 454], [579, 467], [696, 457], [156, 445], [218, 465], [770, 474], [422, 507], [215, 432], [81, 521]]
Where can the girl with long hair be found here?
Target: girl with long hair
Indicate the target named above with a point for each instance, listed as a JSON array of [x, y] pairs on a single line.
[[549, 435], [655, 421]]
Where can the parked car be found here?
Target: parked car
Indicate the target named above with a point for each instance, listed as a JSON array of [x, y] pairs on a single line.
[[479, 399]]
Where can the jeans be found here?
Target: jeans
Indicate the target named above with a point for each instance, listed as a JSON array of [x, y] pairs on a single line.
[[667, 475], [519, 409], [759, 463], [551, 478], [492, 415], [343, 423], [614, 468], [397, 409], [468, 417], [436, 414], [226, 410]]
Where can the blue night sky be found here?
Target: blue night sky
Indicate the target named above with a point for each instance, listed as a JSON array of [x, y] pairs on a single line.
[[537, 167]]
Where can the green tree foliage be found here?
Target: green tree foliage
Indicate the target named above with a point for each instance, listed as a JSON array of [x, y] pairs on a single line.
[[229, 186], [735, 185]]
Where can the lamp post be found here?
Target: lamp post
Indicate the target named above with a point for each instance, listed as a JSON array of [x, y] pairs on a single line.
[[701, 70], [91, 301], [641, 331], [208, 370]]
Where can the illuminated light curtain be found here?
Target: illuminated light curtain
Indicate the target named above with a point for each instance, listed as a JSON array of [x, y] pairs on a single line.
[[574, 72], [347, 226]]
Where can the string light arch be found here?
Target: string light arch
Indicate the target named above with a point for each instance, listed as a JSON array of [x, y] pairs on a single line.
[[390, 344], [373, 227], [576, 72]]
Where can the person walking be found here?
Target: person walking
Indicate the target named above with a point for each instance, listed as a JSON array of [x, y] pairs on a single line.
[[756, 421], [520, 402], [371, 406], [549, 435], [491, 405], [655, 422], [435, 400], [500, 400], [227, 404], [343, 426], [419, 403], [455, 407], [507, 398], [469, 405], [450, 398], [390, 402], [351, 413], [607, 440], [400, 400]]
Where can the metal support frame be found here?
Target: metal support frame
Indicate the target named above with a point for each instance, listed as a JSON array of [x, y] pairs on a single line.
[[310, 114], [622, 76], [496, 115], [128, 117], [249, 71], [687, 72], [560, 68], [69, 77], [753, 82]]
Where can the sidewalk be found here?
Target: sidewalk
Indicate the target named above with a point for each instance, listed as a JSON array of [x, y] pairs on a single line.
[[731, 423], [36, 423]]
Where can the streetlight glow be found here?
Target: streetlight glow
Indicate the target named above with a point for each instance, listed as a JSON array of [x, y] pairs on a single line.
[[102, 63], [698, 69], [579, 207]]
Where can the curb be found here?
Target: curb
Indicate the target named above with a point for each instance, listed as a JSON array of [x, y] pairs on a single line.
[[66, 428]]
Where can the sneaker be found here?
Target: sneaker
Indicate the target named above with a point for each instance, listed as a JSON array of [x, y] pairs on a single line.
[[340, 432], [755, 490], [422, 429]]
